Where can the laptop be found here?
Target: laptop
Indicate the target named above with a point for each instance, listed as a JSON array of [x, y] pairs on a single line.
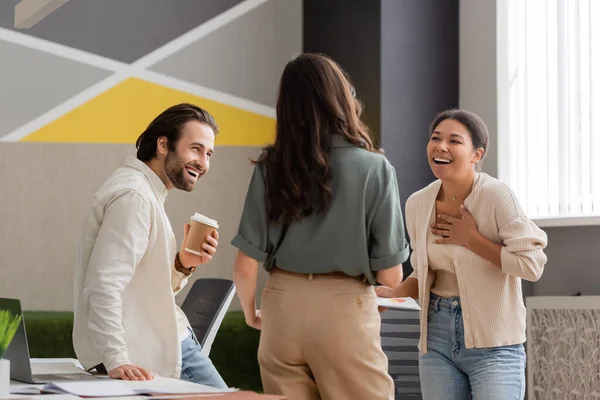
[[20, 363]]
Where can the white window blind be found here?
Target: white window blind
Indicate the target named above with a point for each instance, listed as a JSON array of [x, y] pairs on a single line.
[[549, 105]]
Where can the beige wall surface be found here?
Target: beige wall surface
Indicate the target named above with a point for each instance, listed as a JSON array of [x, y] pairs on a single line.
[[46, 191], [477, 90], [73, 101]]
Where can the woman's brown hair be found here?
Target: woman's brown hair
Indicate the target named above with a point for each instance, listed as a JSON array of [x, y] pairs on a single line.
[[316, 101]]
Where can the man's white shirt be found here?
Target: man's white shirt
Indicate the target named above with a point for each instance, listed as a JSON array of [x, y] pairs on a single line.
[[125, 280]]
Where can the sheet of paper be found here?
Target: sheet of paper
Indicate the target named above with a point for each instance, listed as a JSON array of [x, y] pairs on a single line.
[[162, 385], [116, 388], [400, 303], [47, 396], [240, 395], [90, 388], [25, 388], [143, 397]]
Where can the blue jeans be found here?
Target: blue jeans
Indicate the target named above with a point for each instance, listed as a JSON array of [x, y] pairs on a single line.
[[197, 367], [449, 371]]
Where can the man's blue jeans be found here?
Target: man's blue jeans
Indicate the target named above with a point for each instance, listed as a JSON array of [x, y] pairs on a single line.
[[449, 371], [197, 367]]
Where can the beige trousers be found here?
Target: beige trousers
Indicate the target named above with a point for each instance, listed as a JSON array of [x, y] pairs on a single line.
[[321, 339]]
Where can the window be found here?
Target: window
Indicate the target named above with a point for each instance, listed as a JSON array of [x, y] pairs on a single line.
[[549, 107]]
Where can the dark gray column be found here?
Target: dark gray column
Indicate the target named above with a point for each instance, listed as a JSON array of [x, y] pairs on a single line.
[[349, 31], [403, 58], [419, 70]]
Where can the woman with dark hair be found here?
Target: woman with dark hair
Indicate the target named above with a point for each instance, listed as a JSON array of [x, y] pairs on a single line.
[[472, 245], [323, 213]]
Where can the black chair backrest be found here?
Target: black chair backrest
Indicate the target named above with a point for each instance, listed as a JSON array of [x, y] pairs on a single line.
[[205, 306], [399, 338]]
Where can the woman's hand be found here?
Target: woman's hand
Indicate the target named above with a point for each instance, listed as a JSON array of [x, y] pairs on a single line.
[[463, 231], [255, 321], [460, 231], [384, 291]]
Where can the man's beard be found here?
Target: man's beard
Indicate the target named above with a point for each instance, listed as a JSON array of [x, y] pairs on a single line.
[[174, 168]]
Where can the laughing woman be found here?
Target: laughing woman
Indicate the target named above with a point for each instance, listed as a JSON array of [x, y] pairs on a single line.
[[472, 245]]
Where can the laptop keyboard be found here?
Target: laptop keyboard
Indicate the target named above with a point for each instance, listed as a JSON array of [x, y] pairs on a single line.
[[63, 377]]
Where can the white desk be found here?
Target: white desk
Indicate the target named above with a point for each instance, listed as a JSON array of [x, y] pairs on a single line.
[[62, 365], [46, 397], [46, 365], [35, 363]]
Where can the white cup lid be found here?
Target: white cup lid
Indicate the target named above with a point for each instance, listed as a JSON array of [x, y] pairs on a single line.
[[205, 220]]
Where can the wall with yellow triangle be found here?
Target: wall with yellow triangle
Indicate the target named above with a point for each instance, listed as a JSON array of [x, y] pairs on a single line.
[[132, 104]]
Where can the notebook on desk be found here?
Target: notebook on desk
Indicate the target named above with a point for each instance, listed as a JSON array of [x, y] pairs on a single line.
[[399, 303], [20, 364], [159, 386]]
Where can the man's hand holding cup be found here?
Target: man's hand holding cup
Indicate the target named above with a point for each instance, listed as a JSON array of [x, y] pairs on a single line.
[[200, 241]]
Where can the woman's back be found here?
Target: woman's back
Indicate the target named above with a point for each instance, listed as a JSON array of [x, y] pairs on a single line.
[[323, 213], [363, 223]]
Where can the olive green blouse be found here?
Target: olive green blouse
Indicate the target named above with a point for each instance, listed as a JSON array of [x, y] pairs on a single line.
[[362, 232]]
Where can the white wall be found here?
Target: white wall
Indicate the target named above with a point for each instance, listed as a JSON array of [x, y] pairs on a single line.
[[477, 58], [573, 252]]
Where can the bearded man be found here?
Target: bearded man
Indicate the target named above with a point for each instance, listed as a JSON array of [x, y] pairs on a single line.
[[128, 270]]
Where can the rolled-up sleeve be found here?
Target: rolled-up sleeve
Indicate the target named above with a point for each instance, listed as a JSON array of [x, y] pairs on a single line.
[[387, 245], [523, 241], [178, 280], [120, 245], [251, 237]]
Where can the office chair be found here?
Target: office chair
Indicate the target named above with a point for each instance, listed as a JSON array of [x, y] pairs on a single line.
[[205, 307], [399, 338]]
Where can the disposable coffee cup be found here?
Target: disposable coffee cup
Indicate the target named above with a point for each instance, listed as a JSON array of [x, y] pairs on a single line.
[[200, 227]]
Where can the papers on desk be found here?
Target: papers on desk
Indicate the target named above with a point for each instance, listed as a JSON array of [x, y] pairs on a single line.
[[117, 388], [46, 397], [399, 303], [163, 385], [90, 389]]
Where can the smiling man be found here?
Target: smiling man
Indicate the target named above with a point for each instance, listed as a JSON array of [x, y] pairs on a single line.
[[128, 268]]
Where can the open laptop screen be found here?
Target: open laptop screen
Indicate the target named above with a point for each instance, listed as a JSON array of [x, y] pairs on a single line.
[[18, 350]]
